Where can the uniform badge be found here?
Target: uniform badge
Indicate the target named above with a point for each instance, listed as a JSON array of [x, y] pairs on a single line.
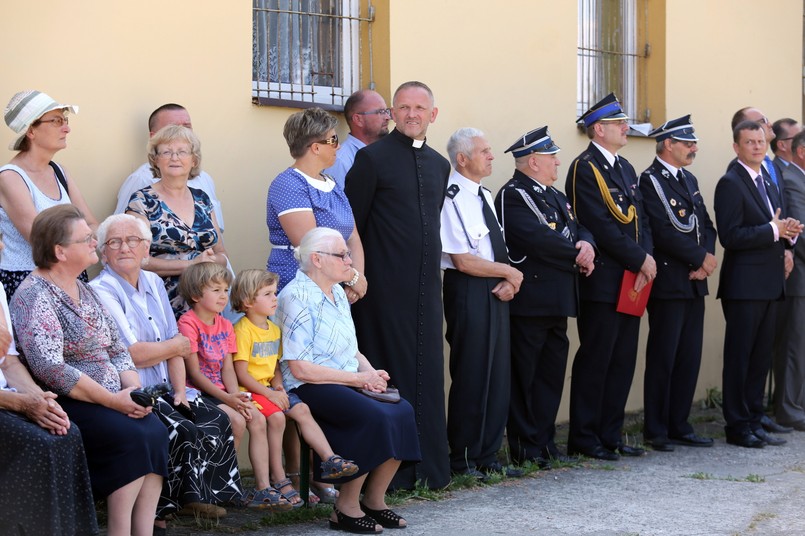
[[452, 191], [673, 202], [682, 212], [569, 211], [665, 173], [552, 225]]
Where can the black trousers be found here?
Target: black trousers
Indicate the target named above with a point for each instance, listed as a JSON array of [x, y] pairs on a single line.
[[478, 334], [748, 342], [602, 375], [673, 358], [539, 362]]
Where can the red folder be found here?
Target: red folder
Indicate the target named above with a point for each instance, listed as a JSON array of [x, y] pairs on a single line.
[[631, 302]]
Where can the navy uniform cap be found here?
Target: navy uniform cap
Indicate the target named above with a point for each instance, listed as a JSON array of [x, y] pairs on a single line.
[[607, 109], [536, 141], [678, 129]]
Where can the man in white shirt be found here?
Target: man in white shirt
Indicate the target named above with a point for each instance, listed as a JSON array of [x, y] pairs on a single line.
[[368, 120], [478, 284], [167, 114]]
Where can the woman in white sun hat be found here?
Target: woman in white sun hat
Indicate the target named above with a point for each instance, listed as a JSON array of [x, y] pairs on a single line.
[[31, 181]]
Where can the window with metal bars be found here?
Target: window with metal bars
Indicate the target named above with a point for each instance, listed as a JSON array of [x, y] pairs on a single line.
[[612, 52], [307, 52]]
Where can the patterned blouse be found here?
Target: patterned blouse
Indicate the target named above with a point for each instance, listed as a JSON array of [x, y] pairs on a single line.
[[314, 328], [60, 340], [172, 238]]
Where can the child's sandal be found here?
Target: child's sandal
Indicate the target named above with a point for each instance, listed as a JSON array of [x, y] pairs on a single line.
[[269, 499], [336, 467], [289, 495]]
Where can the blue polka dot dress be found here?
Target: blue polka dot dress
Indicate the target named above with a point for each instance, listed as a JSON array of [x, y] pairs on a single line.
[[293, 191]]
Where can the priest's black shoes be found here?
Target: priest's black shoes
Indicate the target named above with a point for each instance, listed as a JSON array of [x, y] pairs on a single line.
[[660, 444], [692, 440], [627, 450], [598, 452], [746, 439]]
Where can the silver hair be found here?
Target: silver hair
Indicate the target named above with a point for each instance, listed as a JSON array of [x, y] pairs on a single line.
[[461, 142], [118, 219], [317, 239]]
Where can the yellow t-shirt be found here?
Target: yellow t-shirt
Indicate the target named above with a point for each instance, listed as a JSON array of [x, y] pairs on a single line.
[[260, 347]]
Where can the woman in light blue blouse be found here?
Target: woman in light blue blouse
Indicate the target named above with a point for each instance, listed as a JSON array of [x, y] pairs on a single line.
[[321, 363]]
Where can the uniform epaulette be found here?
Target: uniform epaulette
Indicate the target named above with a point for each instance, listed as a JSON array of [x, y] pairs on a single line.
[[452, 191], [586, 156]]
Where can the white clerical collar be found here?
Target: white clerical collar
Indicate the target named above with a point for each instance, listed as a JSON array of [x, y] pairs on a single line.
[[417, 143]]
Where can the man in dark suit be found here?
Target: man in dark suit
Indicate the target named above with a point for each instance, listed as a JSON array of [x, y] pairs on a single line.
[[789, 393], [754, 238], [773, 169], [549, 246], [684, 247], [606, 199]]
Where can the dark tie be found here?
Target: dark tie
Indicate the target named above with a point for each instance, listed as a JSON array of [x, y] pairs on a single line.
[[762, 189], [619, 171], [680, 176], [771, 170], [495, 236]]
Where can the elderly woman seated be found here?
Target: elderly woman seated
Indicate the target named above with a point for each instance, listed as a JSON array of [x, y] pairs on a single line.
[[203, 466], [322, 365], [71, 346], [44, 488]]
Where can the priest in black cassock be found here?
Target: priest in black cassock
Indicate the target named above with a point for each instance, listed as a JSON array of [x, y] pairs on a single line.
[[396, 188]]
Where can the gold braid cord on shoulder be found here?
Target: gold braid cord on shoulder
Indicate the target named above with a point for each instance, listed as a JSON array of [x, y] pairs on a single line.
[[614, 209]]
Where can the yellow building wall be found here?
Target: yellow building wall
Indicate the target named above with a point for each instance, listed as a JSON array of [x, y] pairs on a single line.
[[504, 67]]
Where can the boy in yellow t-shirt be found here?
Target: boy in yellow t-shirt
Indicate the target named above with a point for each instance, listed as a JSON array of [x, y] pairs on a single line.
[[254, 293]]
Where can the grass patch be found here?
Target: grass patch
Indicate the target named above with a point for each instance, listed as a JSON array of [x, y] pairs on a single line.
[[713, 399], [752, 477], [759, 518], [701, 476]]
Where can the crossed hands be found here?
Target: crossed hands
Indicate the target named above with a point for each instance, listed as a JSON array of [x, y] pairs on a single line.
[[586, 257], [707, 268]]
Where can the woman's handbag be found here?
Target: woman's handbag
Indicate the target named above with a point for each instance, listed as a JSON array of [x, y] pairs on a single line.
[[391, 395]]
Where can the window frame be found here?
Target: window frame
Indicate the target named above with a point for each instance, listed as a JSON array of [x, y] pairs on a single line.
[[302, 92]]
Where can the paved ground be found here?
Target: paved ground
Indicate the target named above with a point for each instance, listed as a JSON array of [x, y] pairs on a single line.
[[724, 490]]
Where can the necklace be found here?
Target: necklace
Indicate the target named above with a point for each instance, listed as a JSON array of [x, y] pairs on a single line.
[[76, 298]]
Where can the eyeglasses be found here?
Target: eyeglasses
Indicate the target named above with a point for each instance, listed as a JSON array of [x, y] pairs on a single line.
[[117, 243], [763, 120], [58, 121], [687, 143], [379, 111], [181, 154], [88, 240], [343, 256], [332, 140]]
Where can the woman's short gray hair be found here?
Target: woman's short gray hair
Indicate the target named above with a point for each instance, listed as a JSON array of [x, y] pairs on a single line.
[[461, 142], [317, 239], [171, 133], [307, 127], [117, 219]]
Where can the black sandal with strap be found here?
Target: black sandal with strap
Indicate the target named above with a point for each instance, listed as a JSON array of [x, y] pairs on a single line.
[[386, 518], [355, 525]]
